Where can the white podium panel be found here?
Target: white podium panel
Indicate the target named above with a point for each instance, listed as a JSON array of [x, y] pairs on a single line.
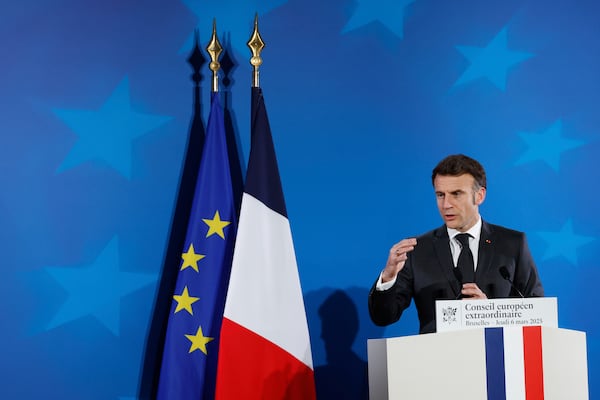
[[520, 363]]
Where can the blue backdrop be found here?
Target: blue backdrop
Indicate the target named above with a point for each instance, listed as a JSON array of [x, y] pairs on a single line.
[[364, 97]]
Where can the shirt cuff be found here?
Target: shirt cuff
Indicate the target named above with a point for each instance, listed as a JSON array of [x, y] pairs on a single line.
[[381, 286]]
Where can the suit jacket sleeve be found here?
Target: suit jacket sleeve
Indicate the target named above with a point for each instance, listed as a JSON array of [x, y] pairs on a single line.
[[526, 275], [386, 307]]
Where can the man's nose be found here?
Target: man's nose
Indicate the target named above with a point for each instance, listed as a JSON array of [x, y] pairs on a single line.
[[446, 203]]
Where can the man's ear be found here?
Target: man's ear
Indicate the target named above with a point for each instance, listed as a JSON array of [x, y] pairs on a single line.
[[480, 196]]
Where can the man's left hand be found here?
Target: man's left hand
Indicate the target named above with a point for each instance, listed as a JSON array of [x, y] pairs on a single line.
[[472, 292]]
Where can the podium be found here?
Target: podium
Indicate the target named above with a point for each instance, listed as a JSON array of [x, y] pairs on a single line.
[[499, 363]]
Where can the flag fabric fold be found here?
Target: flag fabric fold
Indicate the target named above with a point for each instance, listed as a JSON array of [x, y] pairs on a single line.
[[265, 347], [189, 363]]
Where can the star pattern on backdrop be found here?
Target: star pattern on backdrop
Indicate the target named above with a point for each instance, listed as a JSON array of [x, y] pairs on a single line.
[[400, 87], [107, 134], [547, 146], [388, 12], [238, 25], [491, 62], [564, 243], [96, 289]]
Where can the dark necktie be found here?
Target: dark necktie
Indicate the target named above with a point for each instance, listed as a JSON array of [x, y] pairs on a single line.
[[465, 259]]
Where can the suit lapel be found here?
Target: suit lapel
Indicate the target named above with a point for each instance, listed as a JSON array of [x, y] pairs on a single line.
[[486, 251]]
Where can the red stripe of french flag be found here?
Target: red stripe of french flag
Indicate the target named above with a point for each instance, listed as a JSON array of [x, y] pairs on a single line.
[[269, 371], [534, 368]]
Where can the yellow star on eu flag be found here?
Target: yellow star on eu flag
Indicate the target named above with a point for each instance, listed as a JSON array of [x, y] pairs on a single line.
[[199, 341], [215, 225], [185, 301], [190, 258]]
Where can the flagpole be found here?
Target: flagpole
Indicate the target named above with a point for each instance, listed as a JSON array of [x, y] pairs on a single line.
[[256, 45], [214, 49]]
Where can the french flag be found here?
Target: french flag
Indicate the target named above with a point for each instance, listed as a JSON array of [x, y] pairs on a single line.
[[264, 348]]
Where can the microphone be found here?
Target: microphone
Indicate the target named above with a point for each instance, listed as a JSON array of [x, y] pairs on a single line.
[[459, 278], [506, 275]]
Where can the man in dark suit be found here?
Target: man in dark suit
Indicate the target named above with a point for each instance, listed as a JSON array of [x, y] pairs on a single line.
[[466, 257]]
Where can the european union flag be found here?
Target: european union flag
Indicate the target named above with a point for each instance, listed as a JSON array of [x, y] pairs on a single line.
[[189, 364]]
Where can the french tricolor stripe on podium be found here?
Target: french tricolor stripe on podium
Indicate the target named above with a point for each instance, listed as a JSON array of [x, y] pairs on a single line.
[[518, 373]]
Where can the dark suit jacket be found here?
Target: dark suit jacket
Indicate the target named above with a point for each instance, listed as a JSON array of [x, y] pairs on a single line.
[[428, 275]]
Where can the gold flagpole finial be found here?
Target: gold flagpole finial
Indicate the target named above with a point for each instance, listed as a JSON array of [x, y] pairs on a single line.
[[256, 45], [214, 49]]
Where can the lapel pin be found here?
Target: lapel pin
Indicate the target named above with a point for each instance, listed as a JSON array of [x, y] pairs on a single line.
[[488, 241]]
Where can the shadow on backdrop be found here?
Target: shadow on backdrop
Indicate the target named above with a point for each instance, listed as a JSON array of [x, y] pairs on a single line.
[[340, 351], [181, 214]]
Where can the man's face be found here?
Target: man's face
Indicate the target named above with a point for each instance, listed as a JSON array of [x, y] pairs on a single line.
[[458, 201]]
